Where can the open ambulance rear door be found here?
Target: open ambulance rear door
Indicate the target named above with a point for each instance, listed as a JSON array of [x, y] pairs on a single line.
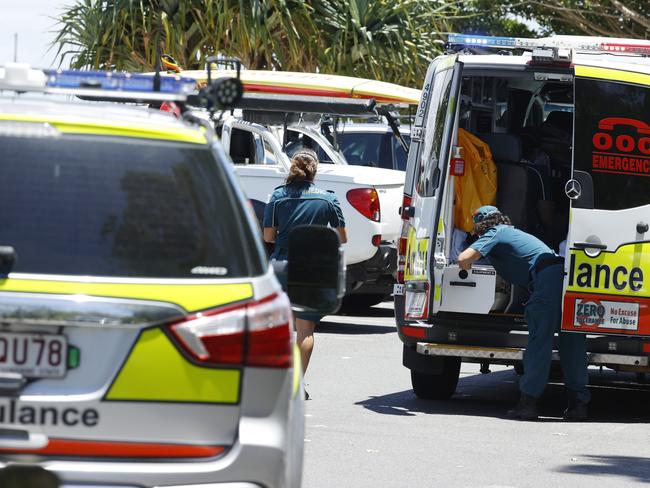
[[422, 243], [607, 285]]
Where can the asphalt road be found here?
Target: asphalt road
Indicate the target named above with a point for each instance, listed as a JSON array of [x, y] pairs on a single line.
[[366, 428]]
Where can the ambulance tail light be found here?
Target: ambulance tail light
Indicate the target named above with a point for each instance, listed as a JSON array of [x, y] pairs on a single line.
[[269, 341], [255, 334], [366, 202]]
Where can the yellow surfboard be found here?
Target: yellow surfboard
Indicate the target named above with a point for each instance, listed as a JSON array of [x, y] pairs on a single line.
[[315, 84]]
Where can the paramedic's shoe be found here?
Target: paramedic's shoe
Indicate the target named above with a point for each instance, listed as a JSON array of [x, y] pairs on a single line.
[[576, 410], [526, 409]]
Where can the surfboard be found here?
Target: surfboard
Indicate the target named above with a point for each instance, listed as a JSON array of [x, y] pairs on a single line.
[[315, 84]]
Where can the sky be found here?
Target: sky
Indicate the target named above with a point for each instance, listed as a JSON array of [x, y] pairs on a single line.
[[33, 21]]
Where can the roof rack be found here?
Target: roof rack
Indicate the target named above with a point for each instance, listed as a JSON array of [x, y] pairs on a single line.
[[560, 45], [117, 86]]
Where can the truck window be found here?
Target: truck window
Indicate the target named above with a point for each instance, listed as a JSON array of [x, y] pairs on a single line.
[[612, 141], [426, 180]]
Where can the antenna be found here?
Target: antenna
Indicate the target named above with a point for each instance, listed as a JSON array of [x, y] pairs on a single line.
[[15, 47]]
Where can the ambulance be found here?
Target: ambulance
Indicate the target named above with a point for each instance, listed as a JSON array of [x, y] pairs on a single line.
[[564, 127], [145, 340]]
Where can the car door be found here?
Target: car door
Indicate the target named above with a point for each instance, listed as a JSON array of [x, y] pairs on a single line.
[[608, 248], [433, 136], [260, 164]]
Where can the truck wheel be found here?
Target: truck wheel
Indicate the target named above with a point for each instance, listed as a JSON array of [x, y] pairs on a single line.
[[362, 300], [440, 386]]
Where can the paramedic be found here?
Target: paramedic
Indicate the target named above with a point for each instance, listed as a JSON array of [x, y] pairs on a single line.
[[524, 260], [300, 202]]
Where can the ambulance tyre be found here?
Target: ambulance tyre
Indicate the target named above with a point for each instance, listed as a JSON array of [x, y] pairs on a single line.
[[439, 386]]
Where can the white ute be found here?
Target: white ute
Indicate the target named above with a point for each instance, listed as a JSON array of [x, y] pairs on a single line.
[[370, 199]]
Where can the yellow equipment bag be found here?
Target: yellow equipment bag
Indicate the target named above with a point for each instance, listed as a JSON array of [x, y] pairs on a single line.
[[478, 186]]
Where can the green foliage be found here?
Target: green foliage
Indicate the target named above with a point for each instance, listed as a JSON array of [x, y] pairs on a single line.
[[610, 18], [381, 39]]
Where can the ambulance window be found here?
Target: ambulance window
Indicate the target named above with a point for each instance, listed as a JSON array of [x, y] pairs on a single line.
[[612, 141], [428, 177]]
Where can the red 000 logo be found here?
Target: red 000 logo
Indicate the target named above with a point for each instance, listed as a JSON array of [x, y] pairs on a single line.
[[623, 143]]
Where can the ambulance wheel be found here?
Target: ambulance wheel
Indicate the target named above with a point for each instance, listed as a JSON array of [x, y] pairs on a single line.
[[440, 386]]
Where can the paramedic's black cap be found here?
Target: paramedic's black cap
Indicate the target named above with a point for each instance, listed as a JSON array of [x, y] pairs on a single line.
[[484, 211]]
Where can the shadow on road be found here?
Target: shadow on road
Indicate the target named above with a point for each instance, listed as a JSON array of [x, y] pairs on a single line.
[[635, 468], [344, 328], [368, 312], [614, 399]]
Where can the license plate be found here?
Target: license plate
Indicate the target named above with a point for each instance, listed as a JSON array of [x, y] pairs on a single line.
[[33, 355]]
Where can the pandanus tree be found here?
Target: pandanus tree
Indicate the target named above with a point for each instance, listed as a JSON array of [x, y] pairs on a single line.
[[391, 40]]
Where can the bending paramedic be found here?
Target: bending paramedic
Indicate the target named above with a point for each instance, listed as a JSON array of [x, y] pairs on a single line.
[[300, 202], [522, 259]]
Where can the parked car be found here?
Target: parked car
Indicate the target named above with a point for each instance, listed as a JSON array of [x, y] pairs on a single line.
[[369, 197]]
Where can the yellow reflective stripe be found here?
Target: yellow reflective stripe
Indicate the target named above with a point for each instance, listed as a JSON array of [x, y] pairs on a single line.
[[157, 371], [437, 293], [609, 74], [297, 369], [68, 125], [191, 297]]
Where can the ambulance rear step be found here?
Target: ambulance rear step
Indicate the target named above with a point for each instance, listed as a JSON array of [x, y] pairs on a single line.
[[509, 354]]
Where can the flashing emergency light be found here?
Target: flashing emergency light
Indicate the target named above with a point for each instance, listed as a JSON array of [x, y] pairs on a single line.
[[561, 44], [221, 93], [104, 80]]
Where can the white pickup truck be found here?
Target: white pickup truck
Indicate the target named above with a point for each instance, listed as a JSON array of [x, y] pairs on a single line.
[[370, 199]]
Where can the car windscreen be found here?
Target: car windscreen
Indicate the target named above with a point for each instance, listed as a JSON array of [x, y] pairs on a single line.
[[113, 206]]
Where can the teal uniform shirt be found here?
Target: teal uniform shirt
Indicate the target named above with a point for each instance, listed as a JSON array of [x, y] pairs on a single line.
[[296, 204], [512, 252]]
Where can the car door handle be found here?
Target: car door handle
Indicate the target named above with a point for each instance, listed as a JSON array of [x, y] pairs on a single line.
[[22, 439], [589, 245], [470, 284]]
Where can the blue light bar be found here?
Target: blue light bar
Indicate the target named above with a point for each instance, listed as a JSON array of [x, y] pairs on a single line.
[[485, 41], [126, 82]]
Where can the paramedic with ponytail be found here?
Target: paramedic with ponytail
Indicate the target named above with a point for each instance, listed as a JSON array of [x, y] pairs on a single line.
[[300, 202], [522, 259]]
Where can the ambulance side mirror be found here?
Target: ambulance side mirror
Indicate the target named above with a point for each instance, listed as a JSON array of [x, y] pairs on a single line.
[[316, 270]]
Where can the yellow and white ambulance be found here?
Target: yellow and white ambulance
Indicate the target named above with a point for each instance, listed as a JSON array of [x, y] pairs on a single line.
[[144, 338], [567, 123]]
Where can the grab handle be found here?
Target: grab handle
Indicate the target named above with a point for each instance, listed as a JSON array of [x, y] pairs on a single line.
[[22, 439], [589, 245], [470, 284]]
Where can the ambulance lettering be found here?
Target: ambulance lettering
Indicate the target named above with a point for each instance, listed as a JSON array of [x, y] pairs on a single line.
[[622, 145], [602, 276], [13, 413]]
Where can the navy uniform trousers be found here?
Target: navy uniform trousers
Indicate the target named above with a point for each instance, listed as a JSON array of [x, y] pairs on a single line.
[[543, 314]]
